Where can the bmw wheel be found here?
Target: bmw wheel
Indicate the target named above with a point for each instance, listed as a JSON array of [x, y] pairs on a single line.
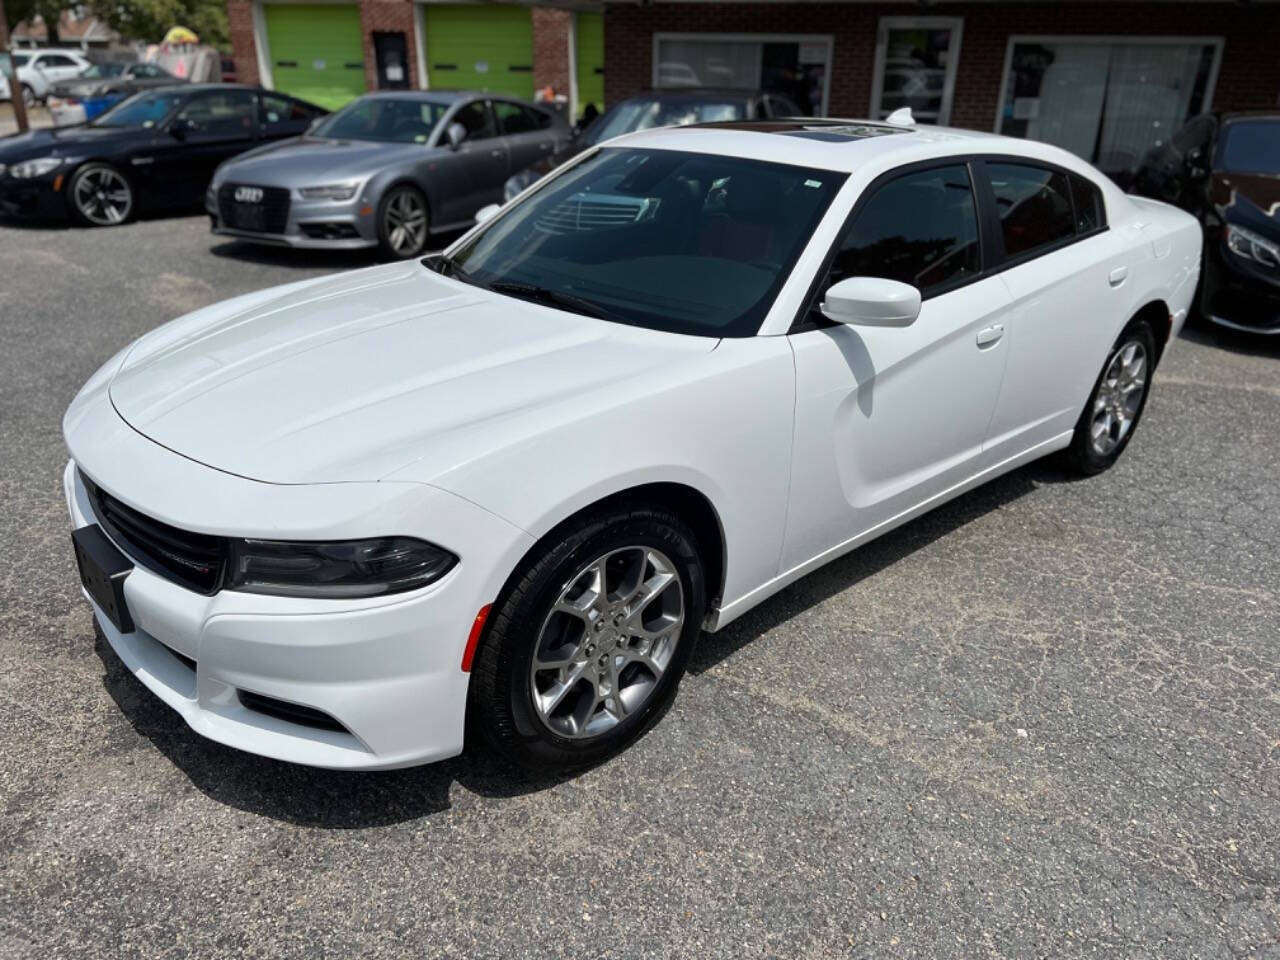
[[403, 222], [586, 647], [1118, 399], [100, 195]]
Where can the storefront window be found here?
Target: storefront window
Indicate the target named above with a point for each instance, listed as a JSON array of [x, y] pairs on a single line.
[[1108, 102], [795, 67], [916, 67]]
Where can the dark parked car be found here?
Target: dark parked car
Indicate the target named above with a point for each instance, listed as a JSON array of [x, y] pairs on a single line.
[[102, 86], [1225, 169], [156, 150], [660, 108]]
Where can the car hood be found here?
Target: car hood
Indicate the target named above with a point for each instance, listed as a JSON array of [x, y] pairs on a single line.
[[353, 377], [1250, 198], [60, 140], [303, 160]]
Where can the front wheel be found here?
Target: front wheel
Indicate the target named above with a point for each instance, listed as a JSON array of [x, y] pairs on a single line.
[[100, 195], [1118, 399], [403, 222], [586, 646], [28, 96]]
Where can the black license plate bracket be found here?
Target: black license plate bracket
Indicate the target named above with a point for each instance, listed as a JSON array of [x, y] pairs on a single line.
[[103, 570]]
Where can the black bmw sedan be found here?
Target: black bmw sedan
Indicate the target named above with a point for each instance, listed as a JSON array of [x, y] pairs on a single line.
[[1225, 170], [154, 151]]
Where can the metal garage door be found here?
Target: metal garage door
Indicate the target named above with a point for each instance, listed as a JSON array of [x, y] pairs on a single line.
[[480, 47], [588, 54], [317, 51]]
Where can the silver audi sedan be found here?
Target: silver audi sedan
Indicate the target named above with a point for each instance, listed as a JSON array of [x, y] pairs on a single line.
[[387, 170]]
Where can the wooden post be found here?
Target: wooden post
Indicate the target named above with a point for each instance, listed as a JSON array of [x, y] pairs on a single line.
[[15, 88]]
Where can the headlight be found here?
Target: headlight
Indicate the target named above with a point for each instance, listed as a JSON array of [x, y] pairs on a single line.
[[34, 168], [1247, 244], [332, 191], [516, 184], [338, 570]]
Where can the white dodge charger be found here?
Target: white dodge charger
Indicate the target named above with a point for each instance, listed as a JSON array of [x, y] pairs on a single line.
[[347, 521]]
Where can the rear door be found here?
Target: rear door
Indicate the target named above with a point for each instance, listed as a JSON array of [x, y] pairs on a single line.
[[1066, 271], [528, 133], [58, 66]]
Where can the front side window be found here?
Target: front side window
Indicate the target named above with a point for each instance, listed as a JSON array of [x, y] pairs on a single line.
[[382, 119], [230, 113], [682, 242], [514, 118], [920, 228], [1034, 204], [1251, 146]]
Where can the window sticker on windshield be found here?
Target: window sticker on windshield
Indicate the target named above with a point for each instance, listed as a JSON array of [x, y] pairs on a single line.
[[813, 183], [420, 138]]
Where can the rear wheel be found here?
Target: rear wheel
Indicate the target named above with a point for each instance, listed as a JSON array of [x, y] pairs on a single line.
[[1116, 404], [403, 222], [100, 196], [587, 645], [28, 96]]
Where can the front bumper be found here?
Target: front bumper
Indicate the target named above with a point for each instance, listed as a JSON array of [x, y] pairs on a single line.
[[33, 199], [1238, 295], [311, 224], [387, 670]]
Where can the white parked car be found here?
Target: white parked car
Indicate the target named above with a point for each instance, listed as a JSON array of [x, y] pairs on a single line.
[[342, 521], [39, 70]]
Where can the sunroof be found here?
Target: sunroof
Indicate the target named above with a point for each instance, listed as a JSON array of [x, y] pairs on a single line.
[[825, 130]]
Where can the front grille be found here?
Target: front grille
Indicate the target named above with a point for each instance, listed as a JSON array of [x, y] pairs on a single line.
[[193, 560], [292, 712], [580, 214], [329, 231], [268, 215]]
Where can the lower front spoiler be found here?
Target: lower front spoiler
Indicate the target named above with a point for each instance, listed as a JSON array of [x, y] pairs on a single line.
[[296, 241]]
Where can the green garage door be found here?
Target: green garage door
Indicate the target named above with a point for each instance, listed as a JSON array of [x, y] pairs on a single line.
[[588, 54], [317, 51], [480, 47]]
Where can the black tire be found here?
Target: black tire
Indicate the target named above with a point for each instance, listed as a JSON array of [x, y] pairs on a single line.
[[93, 214], [386, 237], [1084, 456], [500, 703], [28, 96]]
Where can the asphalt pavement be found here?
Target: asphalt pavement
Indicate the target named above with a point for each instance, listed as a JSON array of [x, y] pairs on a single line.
[[1042, 721]]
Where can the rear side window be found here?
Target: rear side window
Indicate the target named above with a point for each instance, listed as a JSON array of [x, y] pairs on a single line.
[[1034, 204], [477, 120], [1087, 199], [920, 228]]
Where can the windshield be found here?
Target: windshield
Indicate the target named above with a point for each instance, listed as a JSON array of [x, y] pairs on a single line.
[[1251, 146], [684, 242], [384, 119], [632, 115], [140, 110], [104, 70]]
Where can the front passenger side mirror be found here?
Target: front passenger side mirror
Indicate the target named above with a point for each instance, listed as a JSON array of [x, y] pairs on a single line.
[[1194, 163], [871, 302], [455, 133]]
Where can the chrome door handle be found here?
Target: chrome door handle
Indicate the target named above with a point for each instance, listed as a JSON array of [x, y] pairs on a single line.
[[1117, 276], [989, 335]]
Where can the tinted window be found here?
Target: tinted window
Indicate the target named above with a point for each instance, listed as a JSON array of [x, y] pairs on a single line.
[[517, 119], [143, 110], [104, 70], [386, 119], [644, 113], [683, 242], [921, 229], [56, 60], [1251, 146], [1090, 214], [277, 109], [1034, 204], [226, 113], [478, 120]]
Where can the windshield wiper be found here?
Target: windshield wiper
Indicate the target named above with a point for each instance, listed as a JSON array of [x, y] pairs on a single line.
[[448, 268], [553, 298]]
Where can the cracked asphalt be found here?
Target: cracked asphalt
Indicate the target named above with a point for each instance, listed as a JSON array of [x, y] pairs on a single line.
[[1041, 721]]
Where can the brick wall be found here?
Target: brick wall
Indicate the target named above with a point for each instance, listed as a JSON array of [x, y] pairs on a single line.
[[551, 49], [243, 51], [390, 16], [1249, 77]]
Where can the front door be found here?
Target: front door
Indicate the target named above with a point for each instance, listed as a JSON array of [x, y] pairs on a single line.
[[211, 127], [472, 176], [889, 418]]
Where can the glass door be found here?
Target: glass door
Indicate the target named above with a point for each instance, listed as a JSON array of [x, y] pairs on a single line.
[[794, 67], [916, 67]]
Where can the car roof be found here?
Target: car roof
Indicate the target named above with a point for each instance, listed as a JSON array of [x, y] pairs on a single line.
[[444, 96], [842, 145], [695, 93]]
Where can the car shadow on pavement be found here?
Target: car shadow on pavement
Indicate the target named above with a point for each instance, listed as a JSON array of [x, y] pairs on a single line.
[[306, 796], [280, 256], [868, 560], [1235, 341]]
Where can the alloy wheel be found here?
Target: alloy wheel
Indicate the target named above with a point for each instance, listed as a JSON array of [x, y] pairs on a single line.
[[103, 196], [607, 641], [405, 223], [1119, 397]]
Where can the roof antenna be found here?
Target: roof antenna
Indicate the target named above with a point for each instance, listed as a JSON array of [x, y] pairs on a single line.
[[901, 118]]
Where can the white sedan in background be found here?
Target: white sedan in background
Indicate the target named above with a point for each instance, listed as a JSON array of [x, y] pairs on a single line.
[[343, 521]]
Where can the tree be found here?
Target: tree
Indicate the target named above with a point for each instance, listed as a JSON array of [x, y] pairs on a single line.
[[150, 20], [20, 10]]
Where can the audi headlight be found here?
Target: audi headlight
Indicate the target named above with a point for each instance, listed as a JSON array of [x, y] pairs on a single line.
[[332, 191], [1249, 245], [34, 168], [340, 569]]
